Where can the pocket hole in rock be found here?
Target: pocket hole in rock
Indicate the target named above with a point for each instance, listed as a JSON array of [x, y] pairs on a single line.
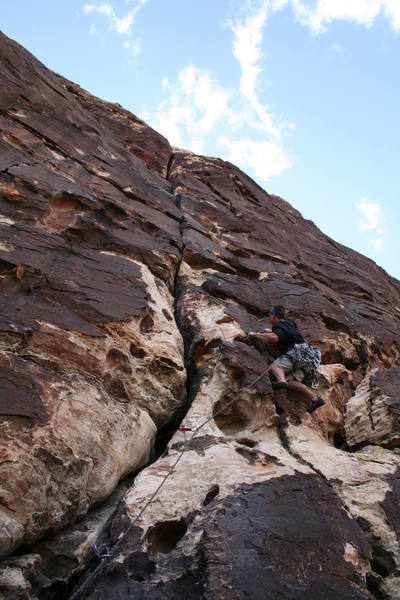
[[146, 324], [339, 441], [382, 562], [236, 418], [165, 536], [166, 314], [116, 387], [7, 268], [211, 494], [136, 352], [164, 365], [247, 442], [118, 360], [64, 208]]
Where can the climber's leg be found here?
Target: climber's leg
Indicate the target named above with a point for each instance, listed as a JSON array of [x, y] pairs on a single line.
[[279, 370], [298, 387]]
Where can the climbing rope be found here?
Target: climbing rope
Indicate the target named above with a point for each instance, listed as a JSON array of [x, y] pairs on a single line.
[[111, 553]]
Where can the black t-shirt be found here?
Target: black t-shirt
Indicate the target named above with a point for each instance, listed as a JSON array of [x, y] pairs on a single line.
[[288, 334]]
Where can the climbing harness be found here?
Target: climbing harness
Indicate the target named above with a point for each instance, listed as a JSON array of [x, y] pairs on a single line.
[[304, 356], [75, 595]]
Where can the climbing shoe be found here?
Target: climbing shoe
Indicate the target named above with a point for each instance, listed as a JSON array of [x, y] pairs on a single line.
[[316, 404]]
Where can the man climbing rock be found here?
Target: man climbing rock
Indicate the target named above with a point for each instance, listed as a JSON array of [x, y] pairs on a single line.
[[297, 360]]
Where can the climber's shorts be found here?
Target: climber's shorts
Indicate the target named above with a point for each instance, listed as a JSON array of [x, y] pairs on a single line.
[[286, 364]]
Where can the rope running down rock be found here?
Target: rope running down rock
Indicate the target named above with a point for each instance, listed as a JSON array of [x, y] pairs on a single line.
[[76, 594]]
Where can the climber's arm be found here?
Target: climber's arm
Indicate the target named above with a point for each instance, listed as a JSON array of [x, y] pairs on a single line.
[[269, 337]]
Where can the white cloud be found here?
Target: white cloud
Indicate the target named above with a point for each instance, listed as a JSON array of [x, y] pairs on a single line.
[[377, 244], [392, 12], [124, 24], [337, 48], [103, 9], [372, 222], [197, 109], [372, 215], [364, 12], [133, 50], [248, 36], [246, 49], [266, 158], [194, 106], [317, 14], [121, 25]]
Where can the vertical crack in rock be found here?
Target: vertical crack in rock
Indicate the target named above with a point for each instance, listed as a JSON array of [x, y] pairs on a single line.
[[176, 291]]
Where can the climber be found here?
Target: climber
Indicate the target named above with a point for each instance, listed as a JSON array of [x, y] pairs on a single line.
[[296, 359]]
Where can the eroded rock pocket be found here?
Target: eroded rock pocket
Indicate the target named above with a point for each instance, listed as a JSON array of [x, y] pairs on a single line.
[[136, 351], [64, 208], [165, 536], [211, 494], [232, 418], [118, 361]]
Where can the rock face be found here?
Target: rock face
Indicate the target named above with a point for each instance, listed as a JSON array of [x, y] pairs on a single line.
[[131, 273], [373, 413], [91, 359]]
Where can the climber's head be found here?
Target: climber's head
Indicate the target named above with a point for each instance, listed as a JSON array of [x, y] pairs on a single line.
[[276, 314]]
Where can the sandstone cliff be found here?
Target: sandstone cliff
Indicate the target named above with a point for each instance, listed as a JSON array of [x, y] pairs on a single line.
[[130, 274]]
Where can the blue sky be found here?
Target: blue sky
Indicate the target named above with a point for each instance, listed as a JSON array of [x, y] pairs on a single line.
[[303, 95]]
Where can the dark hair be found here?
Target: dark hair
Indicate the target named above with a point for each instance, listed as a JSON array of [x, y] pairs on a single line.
[[278, 311]]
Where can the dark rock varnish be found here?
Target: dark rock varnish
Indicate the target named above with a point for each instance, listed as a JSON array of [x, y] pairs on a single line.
[[251, 545]]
